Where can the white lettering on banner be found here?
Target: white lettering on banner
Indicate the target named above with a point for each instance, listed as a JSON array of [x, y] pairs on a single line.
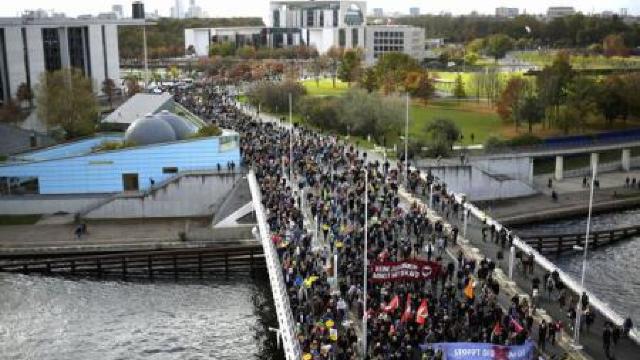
[[406, 270]]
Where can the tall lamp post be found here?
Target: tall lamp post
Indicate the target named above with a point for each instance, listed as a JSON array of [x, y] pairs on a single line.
[[579, 307], [366, 261], [290, 140], [406, 145]]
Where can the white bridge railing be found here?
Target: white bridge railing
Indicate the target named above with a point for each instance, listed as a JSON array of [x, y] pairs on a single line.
[[286, 322], [543, 262]]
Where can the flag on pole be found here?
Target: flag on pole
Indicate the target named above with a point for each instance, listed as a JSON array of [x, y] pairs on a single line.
[[516, 326], [422, 312], [393, 304], [406, 316]]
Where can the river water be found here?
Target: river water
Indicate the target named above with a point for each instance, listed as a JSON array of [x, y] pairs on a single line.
[[613, 271], [57, 318]]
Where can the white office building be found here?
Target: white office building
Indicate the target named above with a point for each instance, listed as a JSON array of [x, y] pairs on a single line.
[[382, 39], [322, 24], [33, 44], [507, 12], [560, 11]]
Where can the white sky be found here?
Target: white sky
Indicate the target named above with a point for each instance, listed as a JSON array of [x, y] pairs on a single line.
[[224, 8]]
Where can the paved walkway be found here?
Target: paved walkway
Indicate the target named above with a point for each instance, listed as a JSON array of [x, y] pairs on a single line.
[[543, 207], [591, 340], [102, 236]]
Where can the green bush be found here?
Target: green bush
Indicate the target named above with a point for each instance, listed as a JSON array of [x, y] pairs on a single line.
[[493, 143], [524, 140], [208, 131], [3, 157]]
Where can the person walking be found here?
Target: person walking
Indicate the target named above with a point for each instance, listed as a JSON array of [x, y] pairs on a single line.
[[606, 339], [542, 335]]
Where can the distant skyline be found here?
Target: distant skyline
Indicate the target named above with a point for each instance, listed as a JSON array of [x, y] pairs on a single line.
[[259, 8]]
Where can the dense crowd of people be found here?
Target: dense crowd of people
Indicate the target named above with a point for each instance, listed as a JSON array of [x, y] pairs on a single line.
[[326, 196]]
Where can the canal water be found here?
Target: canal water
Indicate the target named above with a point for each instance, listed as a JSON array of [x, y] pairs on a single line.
[[56, 318], [613, 271]]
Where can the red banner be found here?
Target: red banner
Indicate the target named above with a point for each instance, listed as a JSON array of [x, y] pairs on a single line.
[[410, 270]]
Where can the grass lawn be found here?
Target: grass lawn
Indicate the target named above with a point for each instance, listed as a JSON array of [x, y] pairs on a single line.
[[472, 118], [581, 62], [325, 87]]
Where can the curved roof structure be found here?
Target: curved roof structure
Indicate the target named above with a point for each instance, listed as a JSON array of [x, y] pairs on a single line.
[[181, 126], [149, 130]]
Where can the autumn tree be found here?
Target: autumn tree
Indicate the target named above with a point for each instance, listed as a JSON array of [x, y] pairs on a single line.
[[24, 94], [109, 89], [392, 69], [66, 99], [419, 85], [613, 45], [334, 54], [508, 104]]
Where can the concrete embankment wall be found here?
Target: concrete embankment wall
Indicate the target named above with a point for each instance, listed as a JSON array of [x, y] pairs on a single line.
[[479, 185], [48, 204], [187, 196]]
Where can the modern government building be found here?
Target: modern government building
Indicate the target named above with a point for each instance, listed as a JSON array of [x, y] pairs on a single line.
[[34, 43], [322, 24]]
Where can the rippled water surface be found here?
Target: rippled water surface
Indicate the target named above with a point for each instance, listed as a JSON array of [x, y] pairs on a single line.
[[613, 272], [54, 318]]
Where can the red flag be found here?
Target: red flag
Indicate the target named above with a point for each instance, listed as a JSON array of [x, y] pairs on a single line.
[[497, 329], [393, 304], [406, 316], [422, 312], [516, 325]]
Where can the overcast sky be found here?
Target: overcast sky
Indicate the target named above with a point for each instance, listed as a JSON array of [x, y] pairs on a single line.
[[223, 8]]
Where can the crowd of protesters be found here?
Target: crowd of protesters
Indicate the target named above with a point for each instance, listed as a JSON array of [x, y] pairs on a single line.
[[403, 317]]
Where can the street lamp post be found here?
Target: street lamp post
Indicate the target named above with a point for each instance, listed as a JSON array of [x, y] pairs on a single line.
[[366, 261], [406, 145], [579, 307], [290, 140], [146, 64]]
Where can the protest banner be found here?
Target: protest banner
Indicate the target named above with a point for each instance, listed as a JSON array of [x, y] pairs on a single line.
[[411, 270]]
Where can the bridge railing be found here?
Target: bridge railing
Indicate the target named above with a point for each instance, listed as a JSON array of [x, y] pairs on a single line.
[[543, 262], [278, 288]]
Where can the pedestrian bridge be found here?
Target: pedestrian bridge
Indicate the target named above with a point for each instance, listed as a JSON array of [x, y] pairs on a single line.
[[518, 163]]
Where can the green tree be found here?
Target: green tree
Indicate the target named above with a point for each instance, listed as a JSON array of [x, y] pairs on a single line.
[[553, 82], [223, 49], [370, 114], [498, 45], [611, 99], [24, 93], [443, 133], [350, 67], [531, 111], [369, 80], [458, 88], [109, 89], [66, 99]]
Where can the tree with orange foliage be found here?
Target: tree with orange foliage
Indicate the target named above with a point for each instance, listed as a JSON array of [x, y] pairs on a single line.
[[508, 104], [419, 85]]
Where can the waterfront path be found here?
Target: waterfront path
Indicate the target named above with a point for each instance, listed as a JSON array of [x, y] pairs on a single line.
[[592, 340], [576, 203]]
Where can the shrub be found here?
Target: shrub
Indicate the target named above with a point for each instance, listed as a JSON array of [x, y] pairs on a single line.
[[209, 130]]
